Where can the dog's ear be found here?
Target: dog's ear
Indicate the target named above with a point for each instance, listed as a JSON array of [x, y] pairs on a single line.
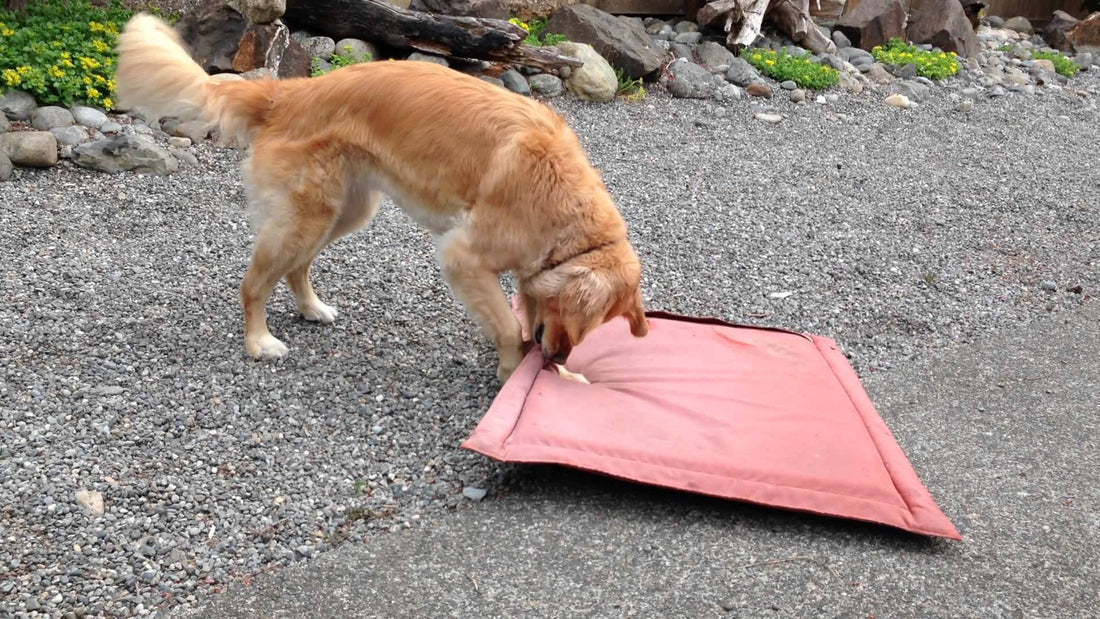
[[639, 326]]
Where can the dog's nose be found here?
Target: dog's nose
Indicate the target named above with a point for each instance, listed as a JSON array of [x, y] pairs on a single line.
[[538, 333], [560, 358]]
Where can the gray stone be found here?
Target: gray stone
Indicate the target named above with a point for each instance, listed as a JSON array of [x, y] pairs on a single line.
[[492, 80], [71, 135], [194, 130], [995, 21], [88, 116], [184, 156], [5, 126], [356, 48], [474, 494], [841, 40], [798, 95], [690, 81], [418, 57], [125, 152], [1084, 60], [6, 167], [878, 74], [713, 56], [686, 26], [834, 61], [914, 91], [36, 149], [788, 85], [515, 82], [729, 92], [742, 73], [546, 85], [17, 105], [904, 72], [110, 127], [1019, 24], [680, 50], [624, 43], [179, 142], [688, 38], [51, 117], [965, 105], [320, 47], [855, 55]]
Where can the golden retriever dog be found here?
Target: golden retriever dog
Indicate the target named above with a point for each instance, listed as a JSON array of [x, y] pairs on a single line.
[[499, 179]]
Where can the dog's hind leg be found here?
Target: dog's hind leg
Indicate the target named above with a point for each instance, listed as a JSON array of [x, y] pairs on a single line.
[[286, 242], [477, 287], [359, 207]]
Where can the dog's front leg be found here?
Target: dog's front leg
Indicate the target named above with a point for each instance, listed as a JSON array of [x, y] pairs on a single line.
[[478, 289]]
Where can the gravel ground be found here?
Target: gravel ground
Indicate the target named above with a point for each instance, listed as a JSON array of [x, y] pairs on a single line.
[[894, 231]]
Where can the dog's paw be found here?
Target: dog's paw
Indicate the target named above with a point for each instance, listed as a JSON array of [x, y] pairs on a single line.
[[266, 346], [318, 312]]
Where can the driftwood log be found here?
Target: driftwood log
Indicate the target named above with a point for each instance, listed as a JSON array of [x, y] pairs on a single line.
[[379, 21], [790, 16]]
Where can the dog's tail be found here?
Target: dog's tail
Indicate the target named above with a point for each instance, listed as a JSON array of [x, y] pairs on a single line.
[[157, 77]]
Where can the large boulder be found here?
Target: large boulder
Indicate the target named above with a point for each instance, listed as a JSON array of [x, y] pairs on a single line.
[[222, 40], [622, 42], [874, 22], [595, 80], [125, 152], [1057, 29], [1019, 24], [942, 23], [1085, 36]]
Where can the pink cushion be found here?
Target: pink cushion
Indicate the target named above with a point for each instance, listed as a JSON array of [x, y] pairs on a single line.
[[755, 414]]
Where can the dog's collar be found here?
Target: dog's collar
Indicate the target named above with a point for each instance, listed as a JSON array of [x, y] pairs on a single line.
[[550, 265]]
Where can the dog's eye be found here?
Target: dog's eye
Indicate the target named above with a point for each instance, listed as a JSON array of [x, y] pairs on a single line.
[[538, 333]]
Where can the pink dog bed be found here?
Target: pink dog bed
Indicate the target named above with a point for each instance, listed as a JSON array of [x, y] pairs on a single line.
[[754, 414]]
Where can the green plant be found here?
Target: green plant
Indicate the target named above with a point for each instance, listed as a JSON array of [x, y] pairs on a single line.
[[798, 68], [1062, 65], [337, 61], [61, 51], [933, 65], [630, 88], [536, 32]]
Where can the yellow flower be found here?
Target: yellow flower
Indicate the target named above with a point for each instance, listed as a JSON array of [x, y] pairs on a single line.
[[99, 79], [88, 80], [95, 26], [100, 46], [89, 63], [11, 78], [92, 92], [107, 103], [769, 62], [6, 31], [24, 70], [55, 43], [55, 71]]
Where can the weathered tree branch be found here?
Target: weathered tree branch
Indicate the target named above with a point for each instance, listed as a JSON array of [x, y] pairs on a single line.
[[463, 37], [791, 16]]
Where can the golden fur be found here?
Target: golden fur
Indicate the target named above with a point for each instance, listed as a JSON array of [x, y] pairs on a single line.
[[499, 179]]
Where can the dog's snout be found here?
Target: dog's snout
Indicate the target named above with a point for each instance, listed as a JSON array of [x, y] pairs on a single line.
[[560, 358], [538, 333]]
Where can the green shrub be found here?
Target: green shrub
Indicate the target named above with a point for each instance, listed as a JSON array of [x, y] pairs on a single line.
[[338, 61], [933, 65], [61, 51], [1062, 65], [536, 32], [782, 66]]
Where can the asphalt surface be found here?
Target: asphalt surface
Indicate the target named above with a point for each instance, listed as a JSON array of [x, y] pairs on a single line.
[[1003, 432]]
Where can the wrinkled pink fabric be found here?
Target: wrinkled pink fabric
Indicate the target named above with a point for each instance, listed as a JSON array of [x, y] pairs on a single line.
[[754, 414]]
